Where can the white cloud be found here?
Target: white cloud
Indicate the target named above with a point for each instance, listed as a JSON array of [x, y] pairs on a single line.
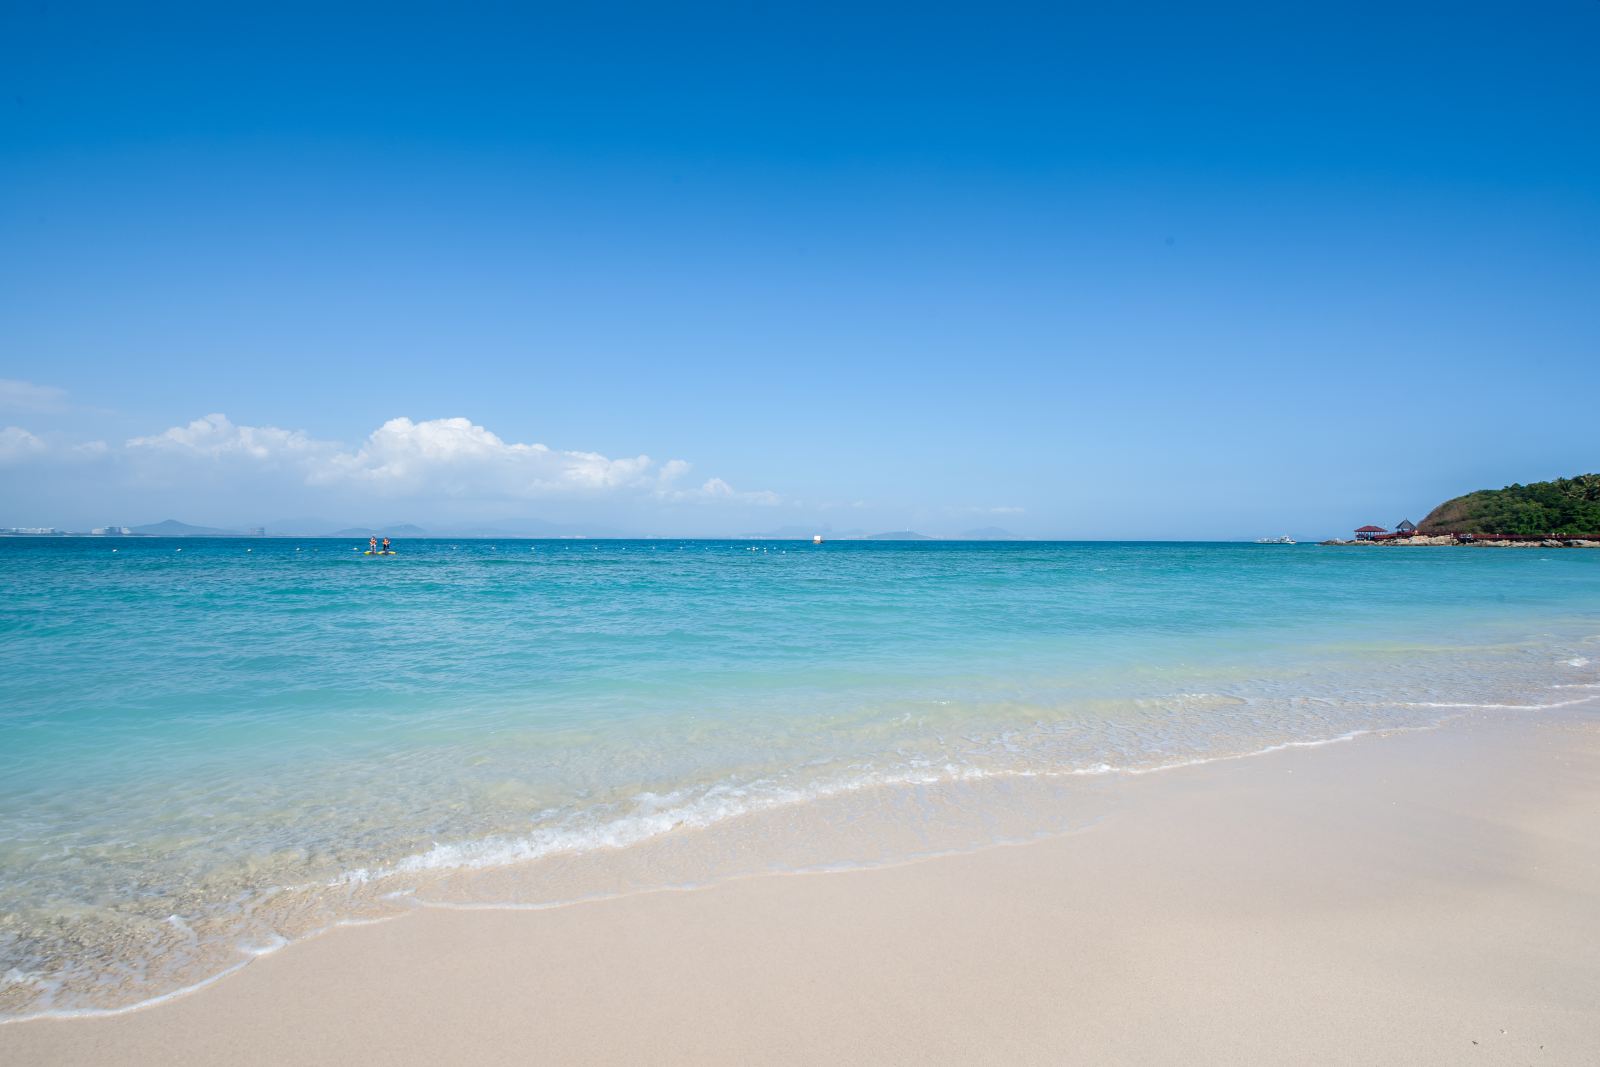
[[18, 395], [459, 458], [17, 445], [216, 437], [453, 458], [715, 489]]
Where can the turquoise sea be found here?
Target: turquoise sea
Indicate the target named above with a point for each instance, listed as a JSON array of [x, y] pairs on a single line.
[[210, 748]]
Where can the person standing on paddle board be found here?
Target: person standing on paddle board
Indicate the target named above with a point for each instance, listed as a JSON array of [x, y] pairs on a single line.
[[372, 543], [386, 546]]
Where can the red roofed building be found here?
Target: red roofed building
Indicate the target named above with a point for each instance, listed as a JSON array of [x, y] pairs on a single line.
[[1367, 533]]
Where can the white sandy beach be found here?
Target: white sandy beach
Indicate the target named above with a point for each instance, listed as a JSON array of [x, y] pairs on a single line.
[[1423, 898]]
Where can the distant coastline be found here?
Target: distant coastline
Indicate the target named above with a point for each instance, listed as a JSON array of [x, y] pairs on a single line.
[[1464, 541], [1563, 513], [542, 532]]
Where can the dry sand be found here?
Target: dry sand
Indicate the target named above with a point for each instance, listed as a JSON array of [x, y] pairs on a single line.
[[1425, 898]]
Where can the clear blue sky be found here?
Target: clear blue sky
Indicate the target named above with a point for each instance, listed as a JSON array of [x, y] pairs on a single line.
[[1257, 269]]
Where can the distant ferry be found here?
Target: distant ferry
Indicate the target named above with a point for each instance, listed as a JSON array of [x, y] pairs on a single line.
[[1284, 540]]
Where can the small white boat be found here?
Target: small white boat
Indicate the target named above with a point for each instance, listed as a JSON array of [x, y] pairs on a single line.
[[1284, 540]]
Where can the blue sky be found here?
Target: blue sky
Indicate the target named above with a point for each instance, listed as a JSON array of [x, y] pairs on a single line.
[[1160, 274]]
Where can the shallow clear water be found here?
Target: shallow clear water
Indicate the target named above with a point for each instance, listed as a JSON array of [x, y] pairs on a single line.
[[208, 747]]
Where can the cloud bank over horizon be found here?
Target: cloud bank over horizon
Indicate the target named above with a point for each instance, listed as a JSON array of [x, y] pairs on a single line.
[[449, 468], [450, 457]]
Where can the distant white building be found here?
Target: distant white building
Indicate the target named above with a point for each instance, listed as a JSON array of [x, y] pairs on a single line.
[[111, 531]]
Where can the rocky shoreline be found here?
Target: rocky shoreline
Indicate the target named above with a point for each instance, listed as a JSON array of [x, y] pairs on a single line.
[[1440, 540]]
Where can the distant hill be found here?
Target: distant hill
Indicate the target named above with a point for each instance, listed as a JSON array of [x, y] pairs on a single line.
[[1568, 506], [302, 527], [899, 535], [508, 528], [801, 533], [989, 533], [403, 529], [174, 528], [531, 528]]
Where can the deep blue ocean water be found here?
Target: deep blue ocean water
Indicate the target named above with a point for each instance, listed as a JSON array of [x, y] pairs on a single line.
[[209, 747]]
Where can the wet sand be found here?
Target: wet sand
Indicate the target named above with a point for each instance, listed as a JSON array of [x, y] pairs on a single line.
[[1421, 898]]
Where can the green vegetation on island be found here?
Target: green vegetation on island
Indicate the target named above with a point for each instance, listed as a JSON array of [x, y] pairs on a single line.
[[1567, 506]]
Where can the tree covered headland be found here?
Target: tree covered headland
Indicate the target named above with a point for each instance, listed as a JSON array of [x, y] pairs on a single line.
[[1567, 506]]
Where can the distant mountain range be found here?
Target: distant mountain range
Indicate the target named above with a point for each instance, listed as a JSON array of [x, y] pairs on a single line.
[[989, 533], [313, 527], [404, 529], [531, 528], [985, 533], [803, 533], [174, 528], [304, 527]]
